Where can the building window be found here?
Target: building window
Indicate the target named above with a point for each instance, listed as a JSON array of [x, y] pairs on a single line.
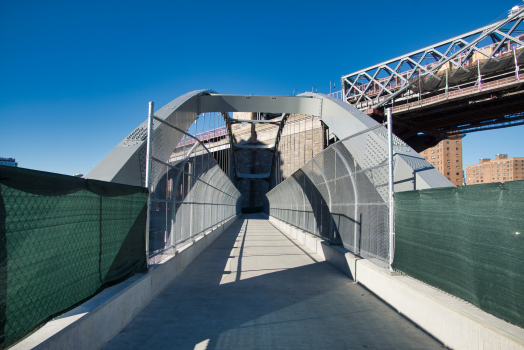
[[457, 148], [458, 167], [433, 157], [448, 173], [425, 152], [458, 174]]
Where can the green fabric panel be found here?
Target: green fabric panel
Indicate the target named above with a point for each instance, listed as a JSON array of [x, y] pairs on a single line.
[[61, 236], [463, 240]]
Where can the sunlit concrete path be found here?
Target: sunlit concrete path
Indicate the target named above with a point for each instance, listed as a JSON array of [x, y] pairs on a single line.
[[254, 288]]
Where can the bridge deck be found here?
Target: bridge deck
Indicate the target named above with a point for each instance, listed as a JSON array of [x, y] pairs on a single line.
[[254, 288]]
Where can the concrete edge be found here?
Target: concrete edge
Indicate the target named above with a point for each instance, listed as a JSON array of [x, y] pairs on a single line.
[[453, 321], [94, 323]]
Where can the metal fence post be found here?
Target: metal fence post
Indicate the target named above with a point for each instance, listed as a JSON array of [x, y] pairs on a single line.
[[391, 191], [148, 173]]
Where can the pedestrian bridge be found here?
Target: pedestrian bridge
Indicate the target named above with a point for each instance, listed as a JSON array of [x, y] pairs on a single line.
[[257, 288], [313, 270]]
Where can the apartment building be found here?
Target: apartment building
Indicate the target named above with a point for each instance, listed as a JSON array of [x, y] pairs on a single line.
[[446, 157], [500, 169]]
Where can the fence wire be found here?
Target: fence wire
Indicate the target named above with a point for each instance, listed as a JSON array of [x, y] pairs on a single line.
[[62, 240], [190, 193], [342, 195]]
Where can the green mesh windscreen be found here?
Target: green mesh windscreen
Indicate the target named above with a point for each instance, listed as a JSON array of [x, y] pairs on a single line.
[[467, 241], [62, 240]]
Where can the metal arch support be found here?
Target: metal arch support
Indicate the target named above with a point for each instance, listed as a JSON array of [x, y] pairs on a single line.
[[283, 121], [321, 170], [182, 131], [123, 163], [232, 162], [355, 191]]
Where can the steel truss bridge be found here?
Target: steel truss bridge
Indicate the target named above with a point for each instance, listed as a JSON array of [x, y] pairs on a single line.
[[468, 83]]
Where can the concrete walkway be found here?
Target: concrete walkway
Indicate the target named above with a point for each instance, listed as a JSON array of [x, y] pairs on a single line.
[[254, 288]]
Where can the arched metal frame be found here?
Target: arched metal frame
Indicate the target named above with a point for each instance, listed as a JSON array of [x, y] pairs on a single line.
[[283, 121], [126, 162]]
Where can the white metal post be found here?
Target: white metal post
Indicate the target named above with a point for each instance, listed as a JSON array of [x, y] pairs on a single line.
[[419, 91], [148, 173], [517, 68], [480, 76], [447, 86], [391, 191]]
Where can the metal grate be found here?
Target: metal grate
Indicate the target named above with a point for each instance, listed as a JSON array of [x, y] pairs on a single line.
[[341, 195], [190, 193]]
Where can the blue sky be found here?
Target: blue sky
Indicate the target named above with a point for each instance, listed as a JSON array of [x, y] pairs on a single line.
[[76, 77]]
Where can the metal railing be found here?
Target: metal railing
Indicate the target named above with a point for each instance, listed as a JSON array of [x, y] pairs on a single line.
[[343, 195], [458, 93], [189, 195]]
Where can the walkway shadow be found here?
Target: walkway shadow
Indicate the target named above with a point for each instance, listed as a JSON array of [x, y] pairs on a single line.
[[309, 305]]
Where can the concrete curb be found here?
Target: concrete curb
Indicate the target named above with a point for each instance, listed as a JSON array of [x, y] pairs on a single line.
[[93, 324], [454, 322]]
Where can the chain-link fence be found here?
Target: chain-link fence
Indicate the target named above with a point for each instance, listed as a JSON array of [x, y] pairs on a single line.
[[190, 193], [62, 240], [342, 194]]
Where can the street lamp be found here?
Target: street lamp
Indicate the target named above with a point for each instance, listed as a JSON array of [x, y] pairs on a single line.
[[331, 81]]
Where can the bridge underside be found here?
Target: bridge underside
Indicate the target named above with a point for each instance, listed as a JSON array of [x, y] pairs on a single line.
[[424, 124]]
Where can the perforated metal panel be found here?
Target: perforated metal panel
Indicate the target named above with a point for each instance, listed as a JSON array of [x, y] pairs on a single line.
[[341, 195], [190, 195]]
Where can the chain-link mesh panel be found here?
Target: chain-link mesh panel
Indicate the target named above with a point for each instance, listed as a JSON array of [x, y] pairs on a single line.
[[189, 196], [342, 195], [467, 241], [63, 239]]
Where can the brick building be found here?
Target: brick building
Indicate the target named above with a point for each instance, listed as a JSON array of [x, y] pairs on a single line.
[[446, 157], [302, 138], [500, 169]]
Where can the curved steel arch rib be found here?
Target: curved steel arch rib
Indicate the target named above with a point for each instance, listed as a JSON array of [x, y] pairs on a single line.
[[125, 163]]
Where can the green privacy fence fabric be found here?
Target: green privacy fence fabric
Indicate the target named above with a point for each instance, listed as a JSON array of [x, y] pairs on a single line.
[[62, 240], [467, 241]]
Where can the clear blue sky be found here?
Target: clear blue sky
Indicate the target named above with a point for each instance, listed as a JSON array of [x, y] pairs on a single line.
[[76, 76]]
